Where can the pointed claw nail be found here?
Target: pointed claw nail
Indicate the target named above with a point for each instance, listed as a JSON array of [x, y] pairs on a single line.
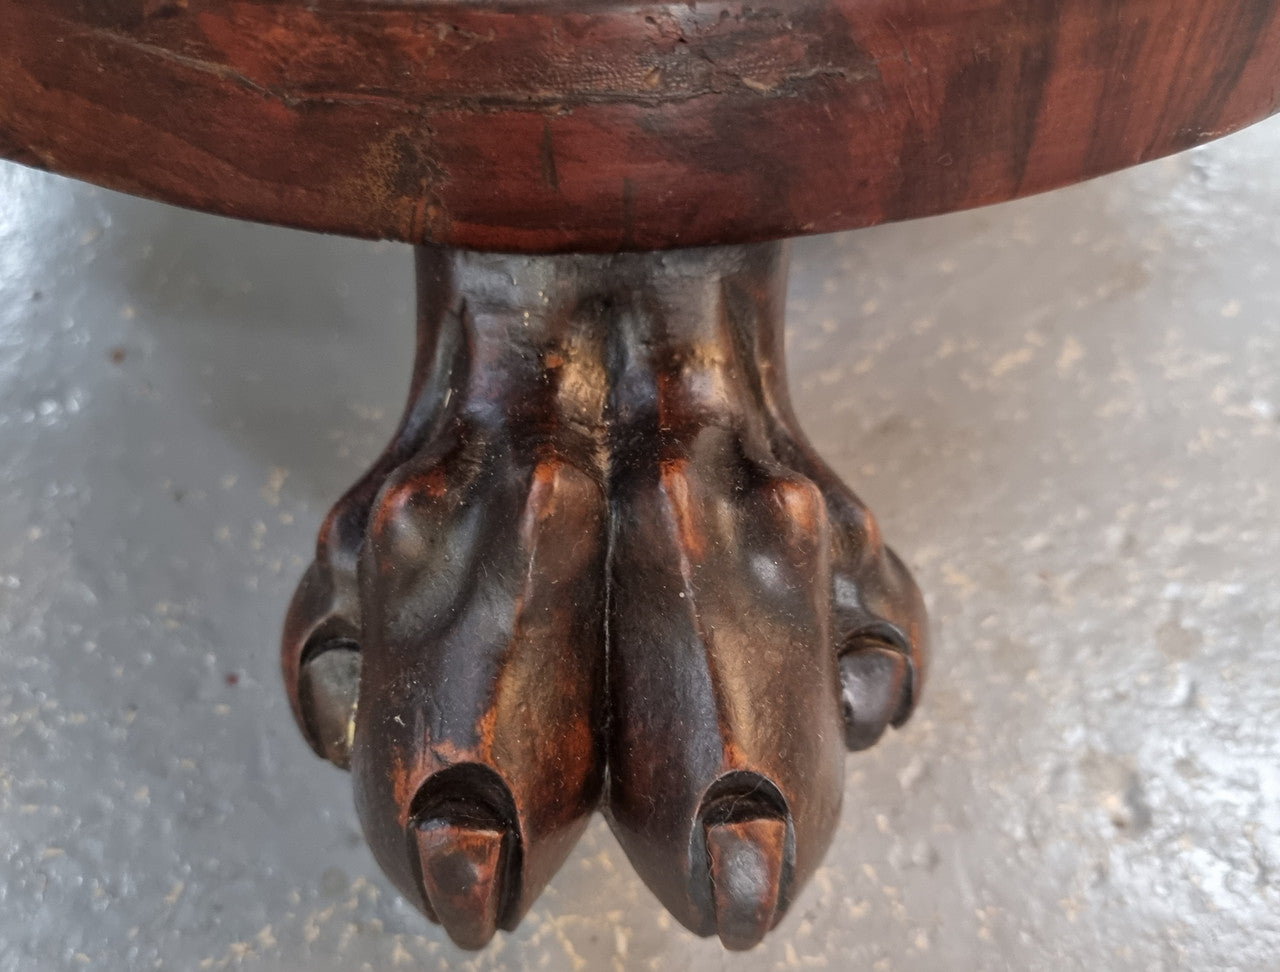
[[875, 685], [745, 823], [468, 848], [745, 859], [328, 687], [462, 877]]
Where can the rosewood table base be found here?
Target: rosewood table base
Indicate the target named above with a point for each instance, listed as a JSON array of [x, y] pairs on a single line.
[[600, 567]]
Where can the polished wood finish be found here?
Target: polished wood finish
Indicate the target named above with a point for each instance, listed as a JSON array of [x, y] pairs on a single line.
[[599, 566], [600, 547], [556, 125]]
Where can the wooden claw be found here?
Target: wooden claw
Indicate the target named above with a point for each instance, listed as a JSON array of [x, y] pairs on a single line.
[[328, 689], [745, 860], [875, 685], [462, 877]]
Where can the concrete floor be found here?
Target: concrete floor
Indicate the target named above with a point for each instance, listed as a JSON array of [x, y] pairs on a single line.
[[1066, 412]]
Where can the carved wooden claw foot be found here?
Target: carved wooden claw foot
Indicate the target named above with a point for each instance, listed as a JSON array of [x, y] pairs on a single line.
[[600, 566]]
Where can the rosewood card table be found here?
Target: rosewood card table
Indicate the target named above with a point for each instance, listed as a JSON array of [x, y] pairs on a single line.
[[599, 566]]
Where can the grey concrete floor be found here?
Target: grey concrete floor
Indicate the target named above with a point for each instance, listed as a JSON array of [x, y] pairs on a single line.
[[1065, 411]]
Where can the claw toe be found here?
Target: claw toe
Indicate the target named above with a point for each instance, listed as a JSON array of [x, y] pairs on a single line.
[[745, 860], [328, 687], [462, 878], [745, 826], [875, 685], [467, 848]]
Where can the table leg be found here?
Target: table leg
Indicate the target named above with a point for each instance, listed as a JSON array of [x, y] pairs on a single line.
[[599, 566]]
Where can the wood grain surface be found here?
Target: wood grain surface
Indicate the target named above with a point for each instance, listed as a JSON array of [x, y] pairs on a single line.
[[577, 125]]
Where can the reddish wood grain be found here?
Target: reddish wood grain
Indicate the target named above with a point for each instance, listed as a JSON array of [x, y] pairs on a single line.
[[569, 124]]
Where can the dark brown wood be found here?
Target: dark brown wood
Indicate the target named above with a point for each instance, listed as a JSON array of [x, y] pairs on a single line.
[[600, 546], [600, 125], [599, 566]]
